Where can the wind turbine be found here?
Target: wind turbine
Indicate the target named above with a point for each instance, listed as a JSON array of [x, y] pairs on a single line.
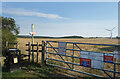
[[110, 32]]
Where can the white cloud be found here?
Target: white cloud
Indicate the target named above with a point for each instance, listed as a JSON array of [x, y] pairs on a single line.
[[23, 12]]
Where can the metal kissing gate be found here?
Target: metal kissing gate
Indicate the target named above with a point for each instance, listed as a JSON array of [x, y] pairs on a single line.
[[76, 57]]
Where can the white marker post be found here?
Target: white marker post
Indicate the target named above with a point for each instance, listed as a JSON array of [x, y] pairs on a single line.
[[32, 34]]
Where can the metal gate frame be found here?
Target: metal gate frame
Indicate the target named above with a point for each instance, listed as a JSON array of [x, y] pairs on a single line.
[[72, 68]]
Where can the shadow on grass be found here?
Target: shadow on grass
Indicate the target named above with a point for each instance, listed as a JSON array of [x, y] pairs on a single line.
[[108, 49], [31, 70], [42, 71]]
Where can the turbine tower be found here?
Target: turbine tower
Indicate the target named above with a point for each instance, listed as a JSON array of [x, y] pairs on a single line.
[[110, 32]]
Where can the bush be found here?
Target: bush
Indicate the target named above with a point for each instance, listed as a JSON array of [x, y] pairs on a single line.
[[9, 32]]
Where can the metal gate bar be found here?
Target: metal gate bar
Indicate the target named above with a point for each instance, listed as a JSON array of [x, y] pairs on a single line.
[[59, 55], [79, 64], [76, 71]]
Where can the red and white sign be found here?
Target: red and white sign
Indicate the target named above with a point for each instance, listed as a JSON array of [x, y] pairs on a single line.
[[108, 58]]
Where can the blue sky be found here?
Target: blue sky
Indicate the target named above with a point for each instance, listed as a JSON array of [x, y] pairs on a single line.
[[64, 18]]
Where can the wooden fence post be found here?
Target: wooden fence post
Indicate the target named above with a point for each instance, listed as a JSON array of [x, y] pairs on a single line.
[[29, 50], [6, 44], [32, 53], [16, 45], [37, 51], [43, 52]]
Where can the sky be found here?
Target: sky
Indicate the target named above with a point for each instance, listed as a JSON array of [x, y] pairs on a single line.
[[87, 19]]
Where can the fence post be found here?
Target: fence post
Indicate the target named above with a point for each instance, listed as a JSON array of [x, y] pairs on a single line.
[[32, 53], [117, 49], [114, 68], [6, 44], [73, 57], [37, 51], [17, 46], [43, 52], [29, 50]]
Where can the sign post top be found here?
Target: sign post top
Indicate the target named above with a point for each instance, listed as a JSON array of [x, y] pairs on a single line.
[[32, 33]]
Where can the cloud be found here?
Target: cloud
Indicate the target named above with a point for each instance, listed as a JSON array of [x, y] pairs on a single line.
[[23, 12]]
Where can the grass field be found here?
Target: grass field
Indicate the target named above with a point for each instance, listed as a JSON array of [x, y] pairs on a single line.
[[56, 71], [23, 41]]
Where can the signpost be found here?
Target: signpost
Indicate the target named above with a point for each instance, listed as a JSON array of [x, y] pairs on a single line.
[[32, 33]]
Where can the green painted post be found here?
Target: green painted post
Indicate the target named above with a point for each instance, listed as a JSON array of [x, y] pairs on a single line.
[[37, 51], [43, 52]]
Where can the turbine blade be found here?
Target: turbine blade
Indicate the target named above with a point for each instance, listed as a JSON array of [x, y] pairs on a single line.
[[107, 29], [113, 28]]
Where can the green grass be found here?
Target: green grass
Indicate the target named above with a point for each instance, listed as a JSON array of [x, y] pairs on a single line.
[[33, 71], [18, 73], [30, 70]]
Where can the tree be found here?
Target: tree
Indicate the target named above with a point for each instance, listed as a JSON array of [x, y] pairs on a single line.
[[9, 32]]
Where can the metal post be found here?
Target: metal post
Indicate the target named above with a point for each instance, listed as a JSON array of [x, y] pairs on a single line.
[[73, 57], [43, 51], [29, 48], [32, 34], [116, 48], [114, 68], [37, 51]]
